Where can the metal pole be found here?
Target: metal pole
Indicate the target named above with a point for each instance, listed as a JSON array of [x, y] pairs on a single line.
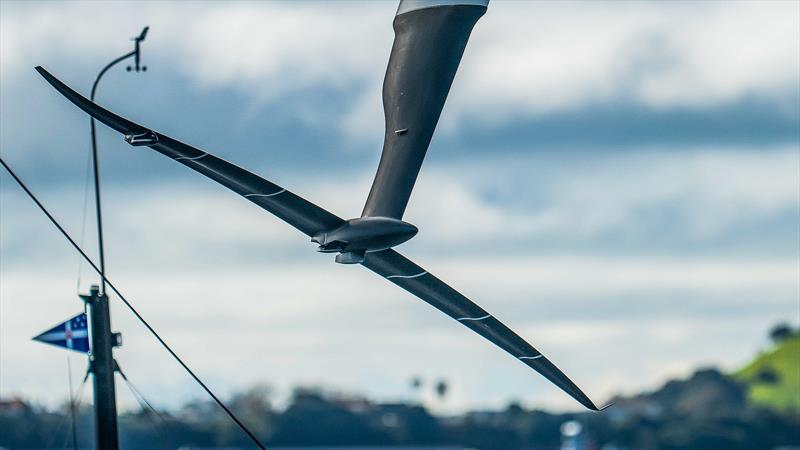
[[95, 163], [102, 367], [103, 340]]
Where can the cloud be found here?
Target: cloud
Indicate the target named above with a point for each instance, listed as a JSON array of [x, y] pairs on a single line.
[[270, 48], [670, 256], [687, 199], [531, 59], [649, 201], [213, 272], [262, 48], [662, 55], [542, 58], [369, 336]]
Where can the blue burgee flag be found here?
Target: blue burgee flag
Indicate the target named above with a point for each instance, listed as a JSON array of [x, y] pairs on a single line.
[[72, 334]]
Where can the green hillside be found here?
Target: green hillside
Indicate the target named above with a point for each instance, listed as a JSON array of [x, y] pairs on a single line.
[[773, 378]]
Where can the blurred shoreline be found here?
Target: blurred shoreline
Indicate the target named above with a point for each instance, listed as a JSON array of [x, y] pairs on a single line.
[[755, 407]]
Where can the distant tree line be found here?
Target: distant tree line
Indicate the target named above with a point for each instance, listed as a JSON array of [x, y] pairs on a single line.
[[708, 411]]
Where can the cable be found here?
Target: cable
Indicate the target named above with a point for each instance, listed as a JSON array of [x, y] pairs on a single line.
[[143, 403], [83, 219], [75, 403], [139, 397], [72, 406], [130, 307], [79, 395]]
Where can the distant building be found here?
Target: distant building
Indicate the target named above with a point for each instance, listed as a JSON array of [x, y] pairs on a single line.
[[574, 436], [13, 407]]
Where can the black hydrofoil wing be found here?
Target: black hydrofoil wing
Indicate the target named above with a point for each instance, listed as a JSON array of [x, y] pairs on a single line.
[[430, 39], [291, 208], [403, 272], [312, 219]]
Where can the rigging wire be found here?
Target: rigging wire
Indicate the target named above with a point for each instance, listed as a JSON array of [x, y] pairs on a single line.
[[83, 219], [72, 406], [139, 397], [131, 308], [143, 403], [79, 395]]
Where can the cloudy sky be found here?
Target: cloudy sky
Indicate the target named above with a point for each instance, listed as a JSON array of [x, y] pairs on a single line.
[[618, 182]]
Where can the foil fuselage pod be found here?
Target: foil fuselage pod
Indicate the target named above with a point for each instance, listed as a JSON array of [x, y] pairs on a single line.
[[430, 38], [366, 234]]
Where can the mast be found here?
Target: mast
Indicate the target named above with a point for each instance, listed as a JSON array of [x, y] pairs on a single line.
[[103, 340], [101, 365]]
